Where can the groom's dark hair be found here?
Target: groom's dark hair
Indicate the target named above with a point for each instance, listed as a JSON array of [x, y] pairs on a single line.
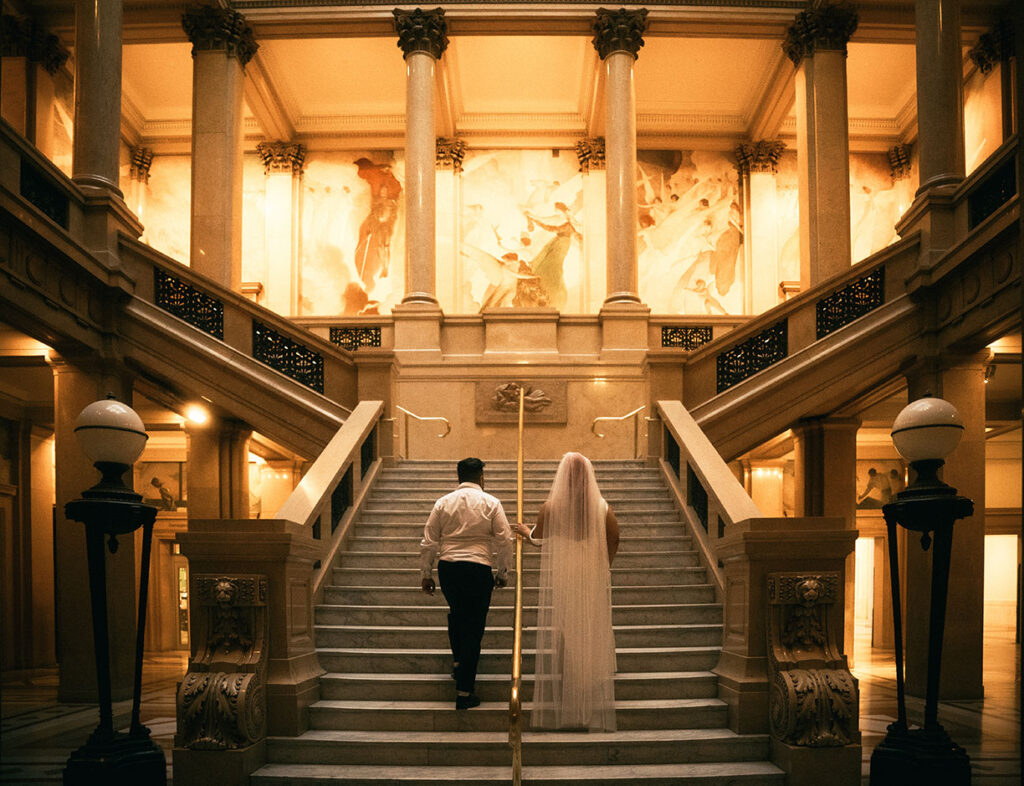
[[470, 469]]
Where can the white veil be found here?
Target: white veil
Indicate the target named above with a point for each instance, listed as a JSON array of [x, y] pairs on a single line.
[[575, 668]]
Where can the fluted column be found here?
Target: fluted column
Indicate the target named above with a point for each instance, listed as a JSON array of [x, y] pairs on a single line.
[[816, 43], [940, 101], [618, 36], [422, 37], [282, 162], [757, 163], [222, 43]]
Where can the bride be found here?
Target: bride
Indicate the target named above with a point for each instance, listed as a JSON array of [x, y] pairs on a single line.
[[574, 682]]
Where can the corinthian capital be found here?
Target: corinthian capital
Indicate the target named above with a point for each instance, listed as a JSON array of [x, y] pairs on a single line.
[[993, 47], [760, 156], [25, 37], [450, 154], [590, 153], [282, 157], [210, 27], [142, 159], [422, 31], [899, 161], [821, 27], [619, 31]]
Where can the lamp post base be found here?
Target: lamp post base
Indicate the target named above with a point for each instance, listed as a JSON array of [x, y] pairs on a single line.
[[915, 757], [120, 761]]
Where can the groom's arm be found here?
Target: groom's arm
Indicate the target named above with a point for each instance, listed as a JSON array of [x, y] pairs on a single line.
[[429, 548], [502, 533]]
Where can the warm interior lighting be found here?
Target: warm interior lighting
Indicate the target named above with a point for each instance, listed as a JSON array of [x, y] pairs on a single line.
[[254, 459], [196, 413]]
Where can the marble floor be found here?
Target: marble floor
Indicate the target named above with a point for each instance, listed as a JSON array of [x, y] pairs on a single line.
[[38, 732]]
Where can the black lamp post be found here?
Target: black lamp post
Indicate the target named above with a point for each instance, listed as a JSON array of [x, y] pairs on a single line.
[[924, 433], [112, 435]]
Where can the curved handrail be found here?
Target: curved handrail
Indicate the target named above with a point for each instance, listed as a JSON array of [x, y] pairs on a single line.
[[515, 715], [405, 426], [636, 426]]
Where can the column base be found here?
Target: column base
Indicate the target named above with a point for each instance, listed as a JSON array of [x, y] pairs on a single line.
[[418, 329], [916, 758], [223, 768], [805, 766], [624, 330], [122, 759]]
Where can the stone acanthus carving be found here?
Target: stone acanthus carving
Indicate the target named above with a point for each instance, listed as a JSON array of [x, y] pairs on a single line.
[[22, 36], [450, 154], [762, 156], [506, 398], [619, 31], [211, 27], [282, 157], [824, 26], [590, 153], [899, 161], [221, 703], [422, 31], [993, 47], [142, 159], [814, 698]]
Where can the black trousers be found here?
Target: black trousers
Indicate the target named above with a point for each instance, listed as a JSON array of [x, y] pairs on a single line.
[[467, 587]]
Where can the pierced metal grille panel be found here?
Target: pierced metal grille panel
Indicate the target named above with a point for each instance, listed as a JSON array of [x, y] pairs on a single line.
[[672, 451], [993, 192], [687, 337], [42, 192], [289, 357], [697, 496], [351, 338], [755, 354], [368, 452], [186, 302], [851, 302]]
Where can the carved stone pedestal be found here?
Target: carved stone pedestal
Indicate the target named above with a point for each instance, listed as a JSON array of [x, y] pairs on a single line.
[[808, 766]]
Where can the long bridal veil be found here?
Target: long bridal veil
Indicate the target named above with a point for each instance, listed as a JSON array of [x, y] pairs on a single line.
[[575, 669]]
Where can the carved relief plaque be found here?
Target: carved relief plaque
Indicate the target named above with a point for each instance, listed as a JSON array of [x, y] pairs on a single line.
[[497, 401]]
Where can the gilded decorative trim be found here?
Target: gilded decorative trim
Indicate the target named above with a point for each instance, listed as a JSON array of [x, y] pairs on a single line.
[[619, 31], [421, 31], [209, 27], [590, 153], [282, 157], [25, 37], [762, 156], [450, 154], [826, 27]]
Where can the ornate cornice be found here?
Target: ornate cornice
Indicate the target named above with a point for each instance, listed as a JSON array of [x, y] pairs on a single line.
[[762, 156], [24, 37], [899, 161], [450, 153], [993, 47], [619, 31], [209, 27], [422, 31], [824, 27], [590, 153], [142, 158], [282, 157]]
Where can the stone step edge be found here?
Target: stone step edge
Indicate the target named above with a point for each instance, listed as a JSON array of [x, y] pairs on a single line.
[[377, 705], [369, 651], [426, 630], [529, 737], [651, 676], [526, 606], [627, 774], [415, 588]]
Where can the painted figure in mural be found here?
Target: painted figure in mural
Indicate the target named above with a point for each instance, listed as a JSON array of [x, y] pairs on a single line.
[[511, 280], [877, 492], [548, 264], [373, 250], [727, 246], [355, 301]]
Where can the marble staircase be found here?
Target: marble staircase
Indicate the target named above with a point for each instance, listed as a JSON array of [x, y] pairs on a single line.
[[386, 714]]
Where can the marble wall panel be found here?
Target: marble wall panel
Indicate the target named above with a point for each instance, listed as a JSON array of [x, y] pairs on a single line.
[[983, 118], [167, 215]]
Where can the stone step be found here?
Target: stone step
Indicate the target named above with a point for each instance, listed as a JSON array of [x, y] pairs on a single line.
[[531, 555], [506, 487], [482, 748], [422, 505], [436, 614], [387, 637], [496, 687], [628, 544], [493, 716], [411, 526], [397, 577], [713, 774], [412, 595], [499, 661]]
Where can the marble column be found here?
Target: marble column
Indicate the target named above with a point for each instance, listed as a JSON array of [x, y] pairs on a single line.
[[940, 101], [422, 37], [757, 163], [961, 382], [222, 43], [282, 162], [591, 156], [218, 470], [618, 36], [816, 43]]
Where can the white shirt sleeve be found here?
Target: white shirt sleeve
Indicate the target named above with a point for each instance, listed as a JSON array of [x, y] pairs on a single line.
[[430, 544], [502, 534]]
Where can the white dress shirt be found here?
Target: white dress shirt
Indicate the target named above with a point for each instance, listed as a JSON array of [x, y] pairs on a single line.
[[466, 526]]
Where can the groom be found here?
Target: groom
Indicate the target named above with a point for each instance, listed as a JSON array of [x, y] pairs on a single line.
[[463, 529]]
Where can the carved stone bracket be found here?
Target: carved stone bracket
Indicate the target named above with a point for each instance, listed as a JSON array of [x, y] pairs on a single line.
[[221, 703], [282, 157], [619, 31], [762, 156], [210, 27], [814, 697], [22, 36], [590, 153], [142, 159], [450, 154], [824, 26], [422, 31], [993, 47], [899, 161]]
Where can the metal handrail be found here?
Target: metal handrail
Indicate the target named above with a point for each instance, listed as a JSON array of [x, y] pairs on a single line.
[[405, 426], [515, 715], [636, 427]]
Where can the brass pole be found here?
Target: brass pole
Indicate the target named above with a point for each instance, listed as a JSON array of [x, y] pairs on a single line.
[[515, 717]]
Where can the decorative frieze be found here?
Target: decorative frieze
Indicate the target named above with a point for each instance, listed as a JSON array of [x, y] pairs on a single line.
[[211, 27], [899, 161], [823, 26], [282, 157], [24, 37], [762, 156], [590, 153], [993, 47], [450, 154], [619, 31], [141, 160], [422, 31]]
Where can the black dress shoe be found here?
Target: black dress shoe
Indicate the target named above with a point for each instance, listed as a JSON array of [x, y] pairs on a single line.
[[465, 702]]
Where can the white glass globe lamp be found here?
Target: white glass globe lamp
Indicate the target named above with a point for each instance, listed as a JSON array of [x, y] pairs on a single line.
[[927, 429], [110, 432]]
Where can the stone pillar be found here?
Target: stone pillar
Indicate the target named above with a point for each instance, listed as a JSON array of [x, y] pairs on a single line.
[[31, 58], [282, 164], [816, 43], [757, 163], [222, 43], [75, 387], [961, 382], [449, 154], [825, 481], [138, 173], [591, 155], [218, 470], [940, 100]]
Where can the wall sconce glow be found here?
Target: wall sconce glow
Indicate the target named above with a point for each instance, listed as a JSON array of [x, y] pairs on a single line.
[[197, 414], [254, 459]]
